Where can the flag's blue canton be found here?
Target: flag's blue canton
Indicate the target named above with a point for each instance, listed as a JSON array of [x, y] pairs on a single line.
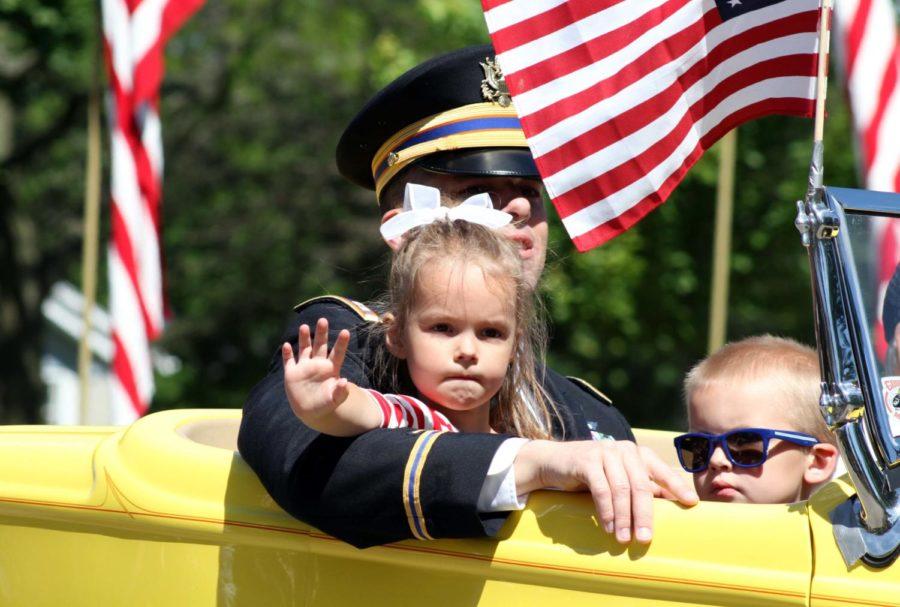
[[729, 9]]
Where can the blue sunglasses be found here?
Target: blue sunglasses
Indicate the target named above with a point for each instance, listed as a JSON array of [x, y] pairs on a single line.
[[744, 447]]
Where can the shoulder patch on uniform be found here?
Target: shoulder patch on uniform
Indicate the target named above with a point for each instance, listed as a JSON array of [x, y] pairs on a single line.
[[360, 309], [590, 389]]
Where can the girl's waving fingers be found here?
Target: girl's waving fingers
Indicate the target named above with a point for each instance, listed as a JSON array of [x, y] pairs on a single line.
[[304, 342], [339, 351], [320, 340], [287, 355], [340, 392]]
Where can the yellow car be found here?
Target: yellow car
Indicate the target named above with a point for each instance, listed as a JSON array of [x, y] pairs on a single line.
[[165, 512]]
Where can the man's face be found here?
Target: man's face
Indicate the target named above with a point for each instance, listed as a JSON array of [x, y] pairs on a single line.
[[521, 198]]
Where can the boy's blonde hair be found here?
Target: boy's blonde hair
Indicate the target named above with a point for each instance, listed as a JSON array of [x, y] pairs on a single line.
[[468, 243], [791, 367]]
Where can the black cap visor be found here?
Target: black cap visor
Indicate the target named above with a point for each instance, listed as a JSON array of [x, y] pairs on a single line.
[[490, 162]]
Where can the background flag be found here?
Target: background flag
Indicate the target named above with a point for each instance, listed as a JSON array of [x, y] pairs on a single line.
[[869, 53], [619, 98], [868, 50], [135, 32]]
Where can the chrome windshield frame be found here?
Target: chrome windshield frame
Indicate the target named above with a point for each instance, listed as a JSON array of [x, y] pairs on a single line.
[[881, 204], [851, 401]]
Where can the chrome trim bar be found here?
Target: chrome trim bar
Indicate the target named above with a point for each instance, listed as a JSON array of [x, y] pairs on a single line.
[[851, 400]]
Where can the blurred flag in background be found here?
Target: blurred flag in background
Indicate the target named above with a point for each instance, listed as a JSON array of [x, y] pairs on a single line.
[[867, 46], [135, 32], [868, 52]]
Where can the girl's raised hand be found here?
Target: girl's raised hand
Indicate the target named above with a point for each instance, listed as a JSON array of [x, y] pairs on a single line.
[[313, 381]]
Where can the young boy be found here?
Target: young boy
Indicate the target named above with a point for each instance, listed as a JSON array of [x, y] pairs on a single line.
[[756, 432]]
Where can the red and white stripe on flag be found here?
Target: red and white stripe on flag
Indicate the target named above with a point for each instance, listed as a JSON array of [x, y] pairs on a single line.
[[869, 51], [135, 32], [619, 98], [868, 47]]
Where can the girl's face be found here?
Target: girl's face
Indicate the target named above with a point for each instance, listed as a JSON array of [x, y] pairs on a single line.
[[459, 339]]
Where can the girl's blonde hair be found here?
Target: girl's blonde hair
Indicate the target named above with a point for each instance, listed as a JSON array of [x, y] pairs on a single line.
[[522, 406]]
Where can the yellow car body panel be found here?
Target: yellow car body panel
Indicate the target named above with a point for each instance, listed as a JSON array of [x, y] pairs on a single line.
[[833, 584], [165, 512]]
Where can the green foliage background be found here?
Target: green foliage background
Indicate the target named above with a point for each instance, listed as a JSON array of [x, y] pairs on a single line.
[[257, 218]]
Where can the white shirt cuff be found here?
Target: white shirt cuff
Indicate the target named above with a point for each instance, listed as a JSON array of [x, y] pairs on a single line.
[[498, 493]]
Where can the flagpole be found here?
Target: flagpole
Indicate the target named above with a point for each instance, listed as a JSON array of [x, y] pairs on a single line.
[[718, 304], [822, 73], [91, 234], [718, 316], [816, 167]]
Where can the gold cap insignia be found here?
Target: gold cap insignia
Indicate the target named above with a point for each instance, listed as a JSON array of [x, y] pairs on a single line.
[[493, 87]]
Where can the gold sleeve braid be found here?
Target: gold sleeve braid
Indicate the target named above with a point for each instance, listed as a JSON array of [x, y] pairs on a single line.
[[412, 480]]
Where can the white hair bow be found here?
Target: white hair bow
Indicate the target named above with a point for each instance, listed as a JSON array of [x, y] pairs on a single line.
[[422, 205]]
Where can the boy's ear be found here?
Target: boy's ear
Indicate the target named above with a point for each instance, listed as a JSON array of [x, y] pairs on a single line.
[[394, 341], [820, 464]]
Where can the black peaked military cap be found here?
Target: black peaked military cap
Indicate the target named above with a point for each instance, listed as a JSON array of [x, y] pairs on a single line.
[[451, 114]]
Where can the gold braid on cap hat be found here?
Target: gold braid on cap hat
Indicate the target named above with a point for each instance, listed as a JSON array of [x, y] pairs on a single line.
[[478, 125]]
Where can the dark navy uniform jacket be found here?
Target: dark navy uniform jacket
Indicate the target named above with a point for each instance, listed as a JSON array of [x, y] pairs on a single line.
[[387, 485]]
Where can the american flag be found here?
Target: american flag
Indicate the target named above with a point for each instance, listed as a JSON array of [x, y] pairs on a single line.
[[869, 53], [868, 50], [135, 32], [619, 98]]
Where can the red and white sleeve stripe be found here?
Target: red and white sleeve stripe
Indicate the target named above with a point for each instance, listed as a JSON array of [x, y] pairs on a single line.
[[400, 411]]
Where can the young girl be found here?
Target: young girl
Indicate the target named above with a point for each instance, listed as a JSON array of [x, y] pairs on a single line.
[[461, 318]]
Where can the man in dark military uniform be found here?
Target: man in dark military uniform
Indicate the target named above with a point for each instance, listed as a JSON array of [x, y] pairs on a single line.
[[447, 123], [890, 319]]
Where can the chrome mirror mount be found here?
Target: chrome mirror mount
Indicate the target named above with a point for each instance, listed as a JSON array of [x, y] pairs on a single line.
[[866, 527]]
